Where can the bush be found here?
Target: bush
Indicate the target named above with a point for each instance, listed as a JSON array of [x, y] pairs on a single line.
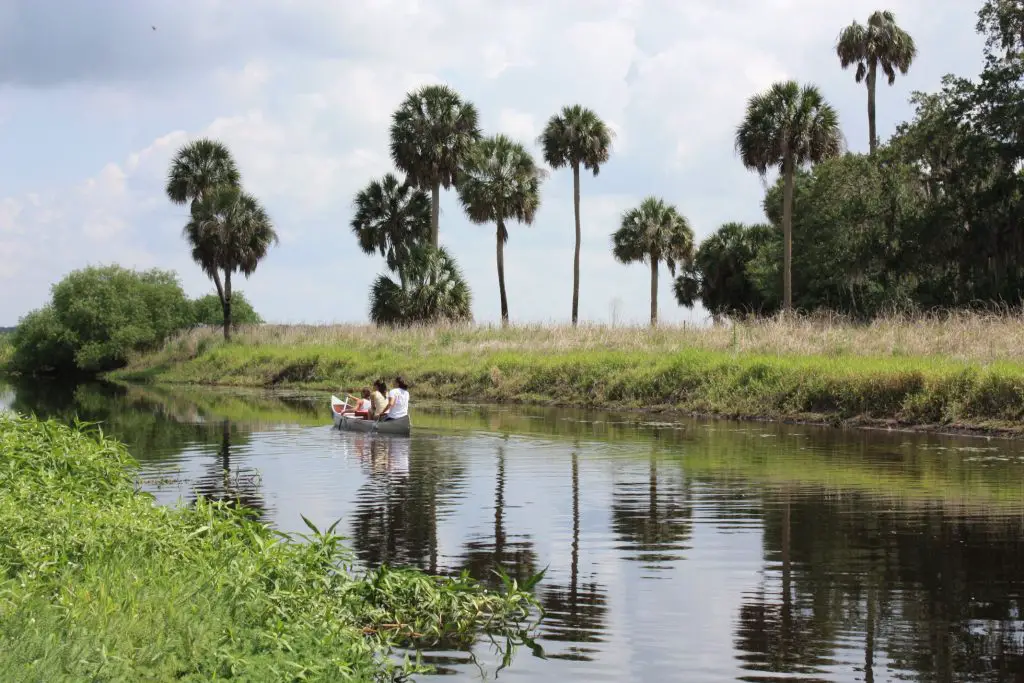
[[97, 317], [206, 310]]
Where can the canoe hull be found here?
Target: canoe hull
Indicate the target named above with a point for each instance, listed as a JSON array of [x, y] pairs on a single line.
[[400, 427]]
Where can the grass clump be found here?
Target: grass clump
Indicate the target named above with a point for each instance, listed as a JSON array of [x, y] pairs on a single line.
[[98, 583]]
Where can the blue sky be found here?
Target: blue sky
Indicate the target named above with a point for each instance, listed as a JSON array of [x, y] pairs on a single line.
[[94, 102]]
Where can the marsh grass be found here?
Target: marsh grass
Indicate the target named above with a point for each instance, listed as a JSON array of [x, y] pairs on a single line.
[[958, 370], [98, 583], [953, 335]]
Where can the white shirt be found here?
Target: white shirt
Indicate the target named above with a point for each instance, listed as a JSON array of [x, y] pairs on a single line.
[[401, 406]]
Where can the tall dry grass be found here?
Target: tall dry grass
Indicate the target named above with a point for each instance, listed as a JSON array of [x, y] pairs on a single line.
[[957, 336]]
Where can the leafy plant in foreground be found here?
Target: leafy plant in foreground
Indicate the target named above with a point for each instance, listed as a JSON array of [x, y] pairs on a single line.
[[97, 582]]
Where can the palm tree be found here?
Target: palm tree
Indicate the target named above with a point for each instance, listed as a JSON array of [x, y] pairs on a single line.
[[230, 231], [882, 43], [391, 217], [653, 232], [788, 126], [432, 132], [197, 168], [430, 288], [576, 137], [500, 182]]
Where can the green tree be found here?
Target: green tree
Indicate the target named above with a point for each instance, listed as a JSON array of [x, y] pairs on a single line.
[[231, 232], [41, 344], [651, 233], [432, 132], [97, 318], [576, 137], [500, 182], [788, 126], [391, 217], [207, 310], [197, 168], [430, 289], [881, 43], [719, 274]]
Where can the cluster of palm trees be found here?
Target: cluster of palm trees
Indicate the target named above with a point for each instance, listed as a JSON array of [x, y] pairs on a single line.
[[436, 142], [228, 230]]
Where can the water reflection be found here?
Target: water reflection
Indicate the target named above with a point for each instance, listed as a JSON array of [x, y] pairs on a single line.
[[779, 552]]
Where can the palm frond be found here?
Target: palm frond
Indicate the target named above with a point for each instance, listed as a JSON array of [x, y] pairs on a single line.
[[576, 136], [390, 217], [198, 167]]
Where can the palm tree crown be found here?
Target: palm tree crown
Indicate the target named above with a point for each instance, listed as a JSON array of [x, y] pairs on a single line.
[[198, 167], [391, 217], [788, 123], [788, 126], [229, 230], [430, 289], [576, 137], [432, 132], [500, 182], [651, 233], [882, 43]]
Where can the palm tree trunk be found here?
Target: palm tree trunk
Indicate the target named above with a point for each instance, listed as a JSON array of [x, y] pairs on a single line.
[[576, 257], [435, 213], [226, 305], [501, 271], [654, 290], [871, 80], [787, 234]]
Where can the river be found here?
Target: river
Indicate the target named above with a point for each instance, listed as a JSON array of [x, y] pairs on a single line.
[[675, 550]]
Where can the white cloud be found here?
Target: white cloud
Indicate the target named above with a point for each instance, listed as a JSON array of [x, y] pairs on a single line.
[[303, 97]]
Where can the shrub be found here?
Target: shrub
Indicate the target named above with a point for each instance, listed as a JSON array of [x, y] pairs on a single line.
[[206, 310]]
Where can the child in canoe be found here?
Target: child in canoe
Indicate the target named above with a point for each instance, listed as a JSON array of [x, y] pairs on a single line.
[[362, 407]]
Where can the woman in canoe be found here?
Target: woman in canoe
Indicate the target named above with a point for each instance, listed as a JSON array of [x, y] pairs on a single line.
[[398, 401], [378, 402]]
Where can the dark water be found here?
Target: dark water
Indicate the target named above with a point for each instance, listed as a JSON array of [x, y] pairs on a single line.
[[690, 551]]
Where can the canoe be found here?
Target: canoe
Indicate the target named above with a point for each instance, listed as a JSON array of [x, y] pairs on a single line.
[[350, 423]]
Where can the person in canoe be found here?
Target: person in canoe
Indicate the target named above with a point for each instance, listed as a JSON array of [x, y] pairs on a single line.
[[378, 402], [398, 401], [362, 407]]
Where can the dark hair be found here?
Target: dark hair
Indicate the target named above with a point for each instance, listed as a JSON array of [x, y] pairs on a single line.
[[400, 381], [380, 386], [366, 392]]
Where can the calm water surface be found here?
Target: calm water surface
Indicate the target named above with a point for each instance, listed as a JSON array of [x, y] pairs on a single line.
[[684, 551]]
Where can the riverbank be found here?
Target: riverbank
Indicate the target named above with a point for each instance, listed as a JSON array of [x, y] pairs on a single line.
[[964, 374], [97, 583]]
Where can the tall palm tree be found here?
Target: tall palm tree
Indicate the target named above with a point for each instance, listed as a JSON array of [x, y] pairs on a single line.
[[198, 167], [500, 182], [391, 217], [430, 289], [654, 232], [231, 232], [432, 132], [882, 43], [576, 137], [788, 126]]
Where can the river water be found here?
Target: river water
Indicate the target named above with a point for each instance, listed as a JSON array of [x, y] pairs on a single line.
[[675, 551]]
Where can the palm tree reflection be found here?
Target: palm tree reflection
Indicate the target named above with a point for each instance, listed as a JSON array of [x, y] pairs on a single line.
[[573, 615], [239, 488]]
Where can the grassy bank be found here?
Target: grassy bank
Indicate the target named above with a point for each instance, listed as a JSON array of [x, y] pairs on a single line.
[[97, 583], [964, 372]]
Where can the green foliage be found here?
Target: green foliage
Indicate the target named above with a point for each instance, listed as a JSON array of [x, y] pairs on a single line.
[[197, 168], [430, 288], [98, 583], [207, 310], [652, 233], [391, 217], [6, 350], [432, 133], [97, 318], [500, 182], [720, 275]]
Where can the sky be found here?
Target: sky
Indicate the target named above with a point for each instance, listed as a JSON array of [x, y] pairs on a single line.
[[96, 97]]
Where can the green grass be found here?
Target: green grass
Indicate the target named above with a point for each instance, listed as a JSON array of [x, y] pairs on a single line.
[[592, 370], [98, 583], [6, 350]]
